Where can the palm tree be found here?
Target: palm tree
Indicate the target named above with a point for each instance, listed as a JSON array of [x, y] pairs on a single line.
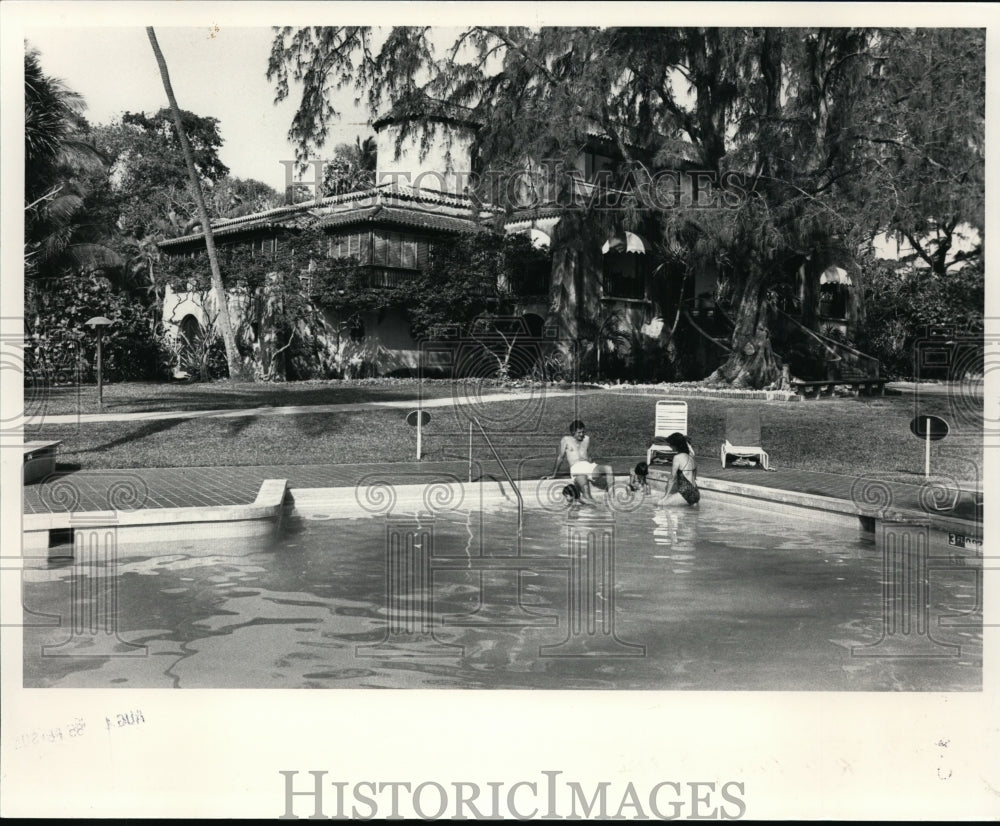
[[352, 168], [61, 168], [228, 338]]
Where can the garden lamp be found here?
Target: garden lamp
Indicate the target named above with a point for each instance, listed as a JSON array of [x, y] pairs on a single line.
[[97, 323]]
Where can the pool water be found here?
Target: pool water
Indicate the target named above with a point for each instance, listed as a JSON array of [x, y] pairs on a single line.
[[725, 596]]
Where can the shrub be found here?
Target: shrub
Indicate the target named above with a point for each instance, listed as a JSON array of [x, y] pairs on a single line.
[[134, 346]]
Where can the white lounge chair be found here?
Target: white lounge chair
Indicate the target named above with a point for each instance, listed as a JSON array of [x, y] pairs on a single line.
[[743, 437], [671, 417]]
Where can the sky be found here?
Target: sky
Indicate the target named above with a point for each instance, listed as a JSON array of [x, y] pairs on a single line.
[[215, 71]]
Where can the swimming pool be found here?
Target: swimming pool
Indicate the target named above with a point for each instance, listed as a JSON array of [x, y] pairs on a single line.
[[733, 595]]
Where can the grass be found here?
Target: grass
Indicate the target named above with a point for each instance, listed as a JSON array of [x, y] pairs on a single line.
[[143, 397], [854, 436]]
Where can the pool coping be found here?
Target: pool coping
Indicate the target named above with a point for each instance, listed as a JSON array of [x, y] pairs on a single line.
[[275, 499], [262, 517], [409, 498], [831, 504]]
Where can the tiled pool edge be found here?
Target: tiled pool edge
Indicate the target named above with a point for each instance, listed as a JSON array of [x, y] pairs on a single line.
[[832, 505], [261, 518], [344, 502]]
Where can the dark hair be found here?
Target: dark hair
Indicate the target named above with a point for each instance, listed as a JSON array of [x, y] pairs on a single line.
[[576, 424], [679, 442], [571, 491], [641, 469]]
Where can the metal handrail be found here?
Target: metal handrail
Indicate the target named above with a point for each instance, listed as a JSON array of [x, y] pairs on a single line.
[[503, 467], [717, 342], [832, 345]]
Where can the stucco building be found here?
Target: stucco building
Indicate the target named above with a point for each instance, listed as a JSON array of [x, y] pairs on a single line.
[[608, 290]]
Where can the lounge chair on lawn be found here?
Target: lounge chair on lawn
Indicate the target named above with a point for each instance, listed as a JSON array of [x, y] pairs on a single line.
[[743, 437], [671, 417]]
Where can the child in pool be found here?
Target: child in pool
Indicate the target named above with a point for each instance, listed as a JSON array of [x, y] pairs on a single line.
[[571, 495], [638, 480]]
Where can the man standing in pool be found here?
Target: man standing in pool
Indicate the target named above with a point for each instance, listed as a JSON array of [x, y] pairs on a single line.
[[576, 449]]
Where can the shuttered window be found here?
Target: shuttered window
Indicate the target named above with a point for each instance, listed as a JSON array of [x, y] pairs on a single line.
[[351, 245], [381, 255], [408, 253], [395, 249]]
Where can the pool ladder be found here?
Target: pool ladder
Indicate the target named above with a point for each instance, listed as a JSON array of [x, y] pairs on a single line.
[[503, 467]]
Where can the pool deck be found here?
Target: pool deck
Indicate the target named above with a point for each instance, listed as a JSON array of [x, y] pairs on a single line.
[[214, 487]]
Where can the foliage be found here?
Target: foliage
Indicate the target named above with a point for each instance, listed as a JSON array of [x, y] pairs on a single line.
[[457, 286], [352, 167], [234, 197], [921, 128], [148, 180], [300, 270], [320, 58], [133, 345], [279, 297], [903, 303], [364, 359], [829, 136], [149, 197], [63, 230], [461, 281]]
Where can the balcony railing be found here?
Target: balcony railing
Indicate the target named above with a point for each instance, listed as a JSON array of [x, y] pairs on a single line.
[[388, 277]]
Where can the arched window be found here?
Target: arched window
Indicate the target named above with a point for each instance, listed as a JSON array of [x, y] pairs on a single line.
[[625, 266], [834, 293]]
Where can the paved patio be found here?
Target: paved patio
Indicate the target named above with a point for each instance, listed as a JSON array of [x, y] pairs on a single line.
[[126, 489]]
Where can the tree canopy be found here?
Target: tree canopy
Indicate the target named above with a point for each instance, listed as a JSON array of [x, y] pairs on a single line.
[[64, 230], [148, 179], [835, 135]]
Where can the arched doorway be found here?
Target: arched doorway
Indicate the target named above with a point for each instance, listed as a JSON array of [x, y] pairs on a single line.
[[189, 335], [535, 324]]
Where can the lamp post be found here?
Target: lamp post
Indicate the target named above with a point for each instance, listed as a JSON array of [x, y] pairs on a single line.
[[97, 323]]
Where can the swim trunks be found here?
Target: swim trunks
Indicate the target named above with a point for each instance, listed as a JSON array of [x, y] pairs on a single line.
[[582, 468]]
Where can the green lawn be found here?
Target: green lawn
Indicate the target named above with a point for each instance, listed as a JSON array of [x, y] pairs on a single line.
[[853, 435], [141, 397]]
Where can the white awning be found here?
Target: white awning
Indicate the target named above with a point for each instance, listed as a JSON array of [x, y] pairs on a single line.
[[835, 275], [629, 242], [539, 240]]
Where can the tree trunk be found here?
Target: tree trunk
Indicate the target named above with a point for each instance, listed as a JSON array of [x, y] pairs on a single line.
[[752, 364], [228, 338], [272, 359], [575, 288]]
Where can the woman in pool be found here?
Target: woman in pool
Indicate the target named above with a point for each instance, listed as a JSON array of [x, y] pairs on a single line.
[[682, 489]]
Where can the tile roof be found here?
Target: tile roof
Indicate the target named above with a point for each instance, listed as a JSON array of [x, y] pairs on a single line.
[[419, 106], [524, 219], [355, 207], [394, 215]]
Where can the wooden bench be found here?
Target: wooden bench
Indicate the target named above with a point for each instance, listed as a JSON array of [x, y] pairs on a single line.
[[39, 460], [825, 387]]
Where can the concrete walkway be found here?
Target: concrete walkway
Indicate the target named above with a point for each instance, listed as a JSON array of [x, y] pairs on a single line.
[[962, 388], [136, 488], [291, 410], [126, 489]]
